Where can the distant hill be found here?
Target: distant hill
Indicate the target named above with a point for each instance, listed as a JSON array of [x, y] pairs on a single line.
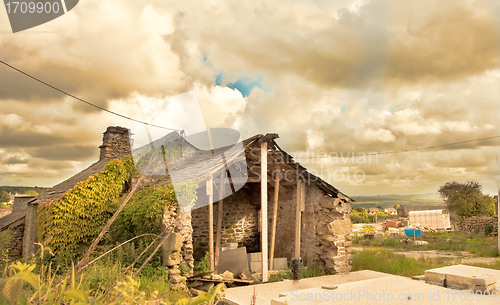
[[388, 201], [23, 189]]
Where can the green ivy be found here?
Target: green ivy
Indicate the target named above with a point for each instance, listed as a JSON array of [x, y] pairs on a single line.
[[144, 211], [78, 217]]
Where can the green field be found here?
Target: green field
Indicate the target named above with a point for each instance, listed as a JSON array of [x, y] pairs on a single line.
[[23, 189], [389, 201]]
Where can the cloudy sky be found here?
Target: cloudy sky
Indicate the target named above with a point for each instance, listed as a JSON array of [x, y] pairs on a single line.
[[331, 77]]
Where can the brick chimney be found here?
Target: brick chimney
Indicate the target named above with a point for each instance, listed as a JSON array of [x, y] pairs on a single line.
[[115, 142]]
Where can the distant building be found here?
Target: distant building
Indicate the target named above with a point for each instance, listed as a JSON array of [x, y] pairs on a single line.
[[404, 210], [391, 211], [372, 210]]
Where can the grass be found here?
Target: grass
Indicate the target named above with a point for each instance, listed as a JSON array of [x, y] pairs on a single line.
[[385, 260], [495, 265], [308, 271], [477, 243], [99, 276]]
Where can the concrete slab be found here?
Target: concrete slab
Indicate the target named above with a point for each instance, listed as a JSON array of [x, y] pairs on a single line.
[[234, 260], [254, 257], [230, 245], [360, 287], [255, 266], [266, 292], [280, 263], [464, 277]]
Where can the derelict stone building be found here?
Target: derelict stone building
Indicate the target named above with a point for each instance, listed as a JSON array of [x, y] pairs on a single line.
[[268, 202]]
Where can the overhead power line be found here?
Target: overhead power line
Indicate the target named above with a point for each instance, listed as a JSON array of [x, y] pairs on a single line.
[[180, 130], [84, 101], [413, 149], [436, 146]]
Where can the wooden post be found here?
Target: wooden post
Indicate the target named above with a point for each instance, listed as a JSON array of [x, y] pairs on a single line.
[[303, 197], [298, 215], [219, 219], [263, 209], [275, 215], [210, 193]]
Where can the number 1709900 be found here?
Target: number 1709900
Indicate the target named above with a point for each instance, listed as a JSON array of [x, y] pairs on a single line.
[[32, 7]]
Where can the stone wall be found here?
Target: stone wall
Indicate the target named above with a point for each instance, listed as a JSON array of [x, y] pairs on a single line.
[[239, 223], [325, 232], [477, 224], [177, 250], [16, 243]]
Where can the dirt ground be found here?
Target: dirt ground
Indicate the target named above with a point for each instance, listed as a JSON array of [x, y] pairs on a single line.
[[452, 256]]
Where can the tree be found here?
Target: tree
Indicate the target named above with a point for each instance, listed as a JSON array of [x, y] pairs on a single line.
[[397, 206], [360, 209], [465, 199], [4, 197], [381, 208], [32, 193]]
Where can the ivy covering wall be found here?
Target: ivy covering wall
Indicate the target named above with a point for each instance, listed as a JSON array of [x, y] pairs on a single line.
[[143, 213], [77, 218]]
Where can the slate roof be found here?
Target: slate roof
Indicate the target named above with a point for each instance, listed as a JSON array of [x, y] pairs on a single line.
[[197, 165]]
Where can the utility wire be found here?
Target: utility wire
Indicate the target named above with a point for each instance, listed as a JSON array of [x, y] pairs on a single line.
[[84, 101], [414, 149], [173, 129]]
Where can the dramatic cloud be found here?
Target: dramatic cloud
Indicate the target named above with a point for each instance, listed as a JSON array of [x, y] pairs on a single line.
[[333, 77]]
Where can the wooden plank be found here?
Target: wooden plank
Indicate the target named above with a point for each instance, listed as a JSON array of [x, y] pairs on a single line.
[[221, 281], [303, 197], [219, 219], [210, 193], [298, 218], [277, 179], [263, 205]]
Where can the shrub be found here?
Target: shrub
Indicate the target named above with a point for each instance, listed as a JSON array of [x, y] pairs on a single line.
[[143, 213], [5, 240]]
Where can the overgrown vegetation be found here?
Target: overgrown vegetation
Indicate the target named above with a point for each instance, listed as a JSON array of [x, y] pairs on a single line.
[[476, 243], [77, 218], [204, 264], [143, 213], [307, 271], [4, 197], [385, 260], [5, 240], [20, 284]]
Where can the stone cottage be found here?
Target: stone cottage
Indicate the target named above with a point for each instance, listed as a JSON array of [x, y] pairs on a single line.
[[270, 204]]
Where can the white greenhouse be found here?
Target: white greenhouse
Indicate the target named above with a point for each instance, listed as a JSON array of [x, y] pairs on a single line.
[[437, 219]]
